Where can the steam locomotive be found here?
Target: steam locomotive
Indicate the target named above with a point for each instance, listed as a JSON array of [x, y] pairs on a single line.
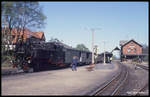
[[44, 55]]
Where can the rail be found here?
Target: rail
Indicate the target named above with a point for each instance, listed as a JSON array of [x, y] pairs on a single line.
[[118, 80], [143, 67], [145, 86]]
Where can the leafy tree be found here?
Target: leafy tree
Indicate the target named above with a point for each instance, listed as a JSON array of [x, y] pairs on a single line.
[[23, 15], [82, 47], [19, 15], [7, 14]]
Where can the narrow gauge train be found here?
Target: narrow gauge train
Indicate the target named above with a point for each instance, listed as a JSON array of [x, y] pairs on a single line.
[[44, 55]]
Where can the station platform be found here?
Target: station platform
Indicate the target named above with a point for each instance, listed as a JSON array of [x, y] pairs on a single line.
[[60, 82]]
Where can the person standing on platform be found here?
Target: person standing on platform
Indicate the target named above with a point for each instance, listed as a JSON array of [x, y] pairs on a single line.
[[74, 63]]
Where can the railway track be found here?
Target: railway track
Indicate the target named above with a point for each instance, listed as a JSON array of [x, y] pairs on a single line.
[[146, 85], [113, 86], [143, 67]]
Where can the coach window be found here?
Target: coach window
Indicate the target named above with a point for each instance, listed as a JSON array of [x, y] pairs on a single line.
[[79, 54], [87, 55]]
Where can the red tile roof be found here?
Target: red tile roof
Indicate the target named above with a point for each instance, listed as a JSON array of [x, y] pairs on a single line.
[[27, 34], [37, 34], [133, 41]]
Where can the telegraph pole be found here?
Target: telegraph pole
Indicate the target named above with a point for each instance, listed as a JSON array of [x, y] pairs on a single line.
[[104, 53], [93, 30], [92, 45]]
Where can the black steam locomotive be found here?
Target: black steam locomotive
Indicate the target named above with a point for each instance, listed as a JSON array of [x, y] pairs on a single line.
[[44, 55]]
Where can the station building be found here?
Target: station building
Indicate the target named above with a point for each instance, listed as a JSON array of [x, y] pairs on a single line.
[[131, 50]]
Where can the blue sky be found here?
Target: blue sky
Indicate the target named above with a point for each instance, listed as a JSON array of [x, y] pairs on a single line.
[[117, 21]]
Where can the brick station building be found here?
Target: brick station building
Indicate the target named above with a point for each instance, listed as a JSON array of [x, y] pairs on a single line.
[[131, 50]]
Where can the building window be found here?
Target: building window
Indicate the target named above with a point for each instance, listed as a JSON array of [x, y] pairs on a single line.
[[128, 50], [132, 43], [131, 46], [134, 50]]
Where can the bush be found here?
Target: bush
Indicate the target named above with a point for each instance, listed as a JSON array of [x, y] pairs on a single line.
[[6, 64], [6, 58]]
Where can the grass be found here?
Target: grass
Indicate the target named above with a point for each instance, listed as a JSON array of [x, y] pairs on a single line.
[[6, 62]]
